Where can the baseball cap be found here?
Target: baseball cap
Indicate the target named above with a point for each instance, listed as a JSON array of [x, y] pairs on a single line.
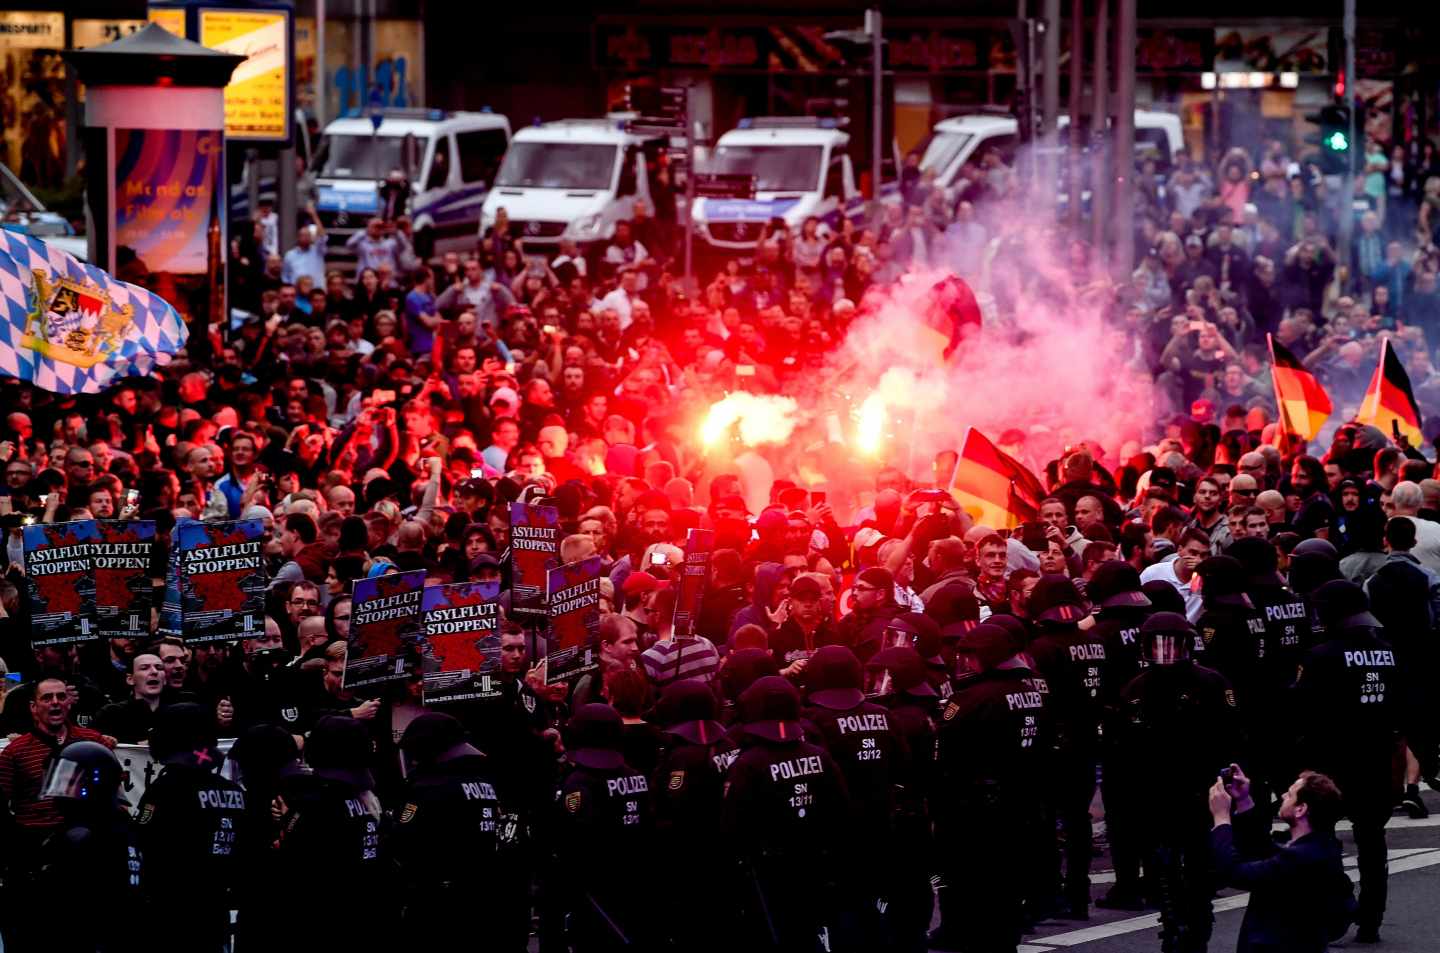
[[805, 587], [641, 581], [867, 536], [506, 396]]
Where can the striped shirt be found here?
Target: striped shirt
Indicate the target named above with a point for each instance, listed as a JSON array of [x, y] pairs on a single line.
[[666, 662], [22, 771]]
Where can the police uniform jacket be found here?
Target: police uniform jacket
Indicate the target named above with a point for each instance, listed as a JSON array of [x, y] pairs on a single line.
[[992, 738], [1072, 662], [446, 830], [1348, 709]]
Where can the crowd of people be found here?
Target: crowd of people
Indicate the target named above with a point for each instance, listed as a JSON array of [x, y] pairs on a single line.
[[878, 690]]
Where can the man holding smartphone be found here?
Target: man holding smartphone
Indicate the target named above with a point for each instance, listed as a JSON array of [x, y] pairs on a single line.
[[1300, 898]]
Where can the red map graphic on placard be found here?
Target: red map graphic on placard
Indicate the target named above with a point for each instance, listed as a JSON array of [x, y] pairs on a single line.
[[387, 636], [460, 651], [219, 588], [60, 591], [574, 626], [113, 588]]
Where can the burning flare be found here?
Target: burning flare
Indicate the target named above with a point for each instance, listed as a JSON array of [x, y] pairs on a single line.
[[870, 428], [763, 418]]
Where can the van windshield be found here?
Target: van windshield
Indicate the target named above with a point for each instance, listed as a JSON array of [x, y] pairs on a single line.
[[557, 165], [359, 157], [776, 168], [942, 148]]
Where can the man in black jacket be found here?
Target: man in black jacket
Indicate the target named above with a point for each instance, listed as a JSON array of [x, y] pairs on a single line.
[[1288, 885]]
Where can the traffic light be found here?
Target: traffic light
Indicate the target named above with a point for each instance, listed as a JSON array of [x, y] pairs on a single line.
[[1334, 138]]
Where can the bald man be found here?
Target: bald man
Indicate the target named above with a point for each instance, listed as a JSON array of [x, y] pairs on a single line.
[[554, 445], [341, 499], [1243, 489]]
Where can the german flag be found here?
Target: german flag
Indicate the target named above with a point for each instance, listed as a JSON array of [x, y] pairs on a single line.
[[1389, 402], [1304, 405], [994, 488]]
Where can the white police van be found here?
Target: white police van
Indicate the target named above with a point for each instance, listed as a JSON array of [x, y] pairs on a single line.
[[960, 139], [449, 159], [574, 179], [801, 168]]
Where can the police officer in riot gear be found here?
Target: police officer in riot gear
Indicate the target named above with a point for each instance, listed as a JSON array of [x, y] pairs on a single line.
[[445, 840], [1287, 636], [1235, 641], [604, 811], [785, 817], [1349, 714], [1121, 607], [899, 681], [265, 761], [190, 827], [91, 857], [1176, 729], [1072, 662], [687, 787], [331, 833], [858, 735], [992, 751]]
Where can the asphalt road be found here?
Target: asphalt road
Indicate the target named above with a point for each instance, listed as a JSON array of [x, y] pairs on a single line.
[[1412, 919]]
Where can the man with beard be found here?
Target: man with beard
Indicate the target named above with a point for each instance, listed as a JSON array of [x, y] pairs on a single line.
[[1207, 514], [873, 600], [1307, 478]]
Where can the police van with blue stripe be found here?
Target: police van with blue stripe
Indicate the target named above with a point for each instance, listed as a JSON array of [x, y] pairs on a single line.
[[450, 159], [801, 168]]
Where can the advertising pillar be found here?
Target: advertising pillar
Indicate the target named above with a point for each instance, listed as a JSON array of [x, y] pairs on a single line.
[[155, 142]]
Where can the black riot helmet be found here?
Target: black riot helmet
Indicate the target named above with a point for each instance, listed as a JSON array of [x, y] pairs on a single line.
[[1342, 605], [84, 772], [1167, 638], [982, 649]]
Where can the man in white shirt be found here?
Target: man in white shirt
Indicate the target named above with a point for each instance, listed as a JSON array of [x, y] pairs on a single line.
[[1408, 499], [622, 299], [307, 257], [624, 252], [1179, 569], [569, 260]]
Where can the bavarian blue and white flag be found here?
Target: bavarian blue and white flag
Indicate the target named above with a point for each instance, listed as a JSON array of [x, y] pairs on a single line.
[[73, 329]]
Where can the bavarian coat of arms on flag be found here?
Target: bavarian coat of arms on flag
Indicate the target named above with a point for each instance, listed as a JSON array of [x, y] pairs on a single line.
[[72, 328]]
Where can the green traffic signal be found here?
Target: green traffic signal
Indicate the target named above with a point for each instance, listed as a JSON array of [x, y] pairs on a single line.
[[1337, 141]]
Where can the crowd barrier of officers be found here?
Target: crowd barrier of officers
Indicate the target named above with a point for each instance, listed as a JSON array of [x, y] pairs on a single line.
[[769, 815]]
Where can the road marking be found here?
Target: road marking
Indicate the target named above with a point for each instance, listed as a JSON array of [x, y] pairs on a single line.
[[1400, 861]]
